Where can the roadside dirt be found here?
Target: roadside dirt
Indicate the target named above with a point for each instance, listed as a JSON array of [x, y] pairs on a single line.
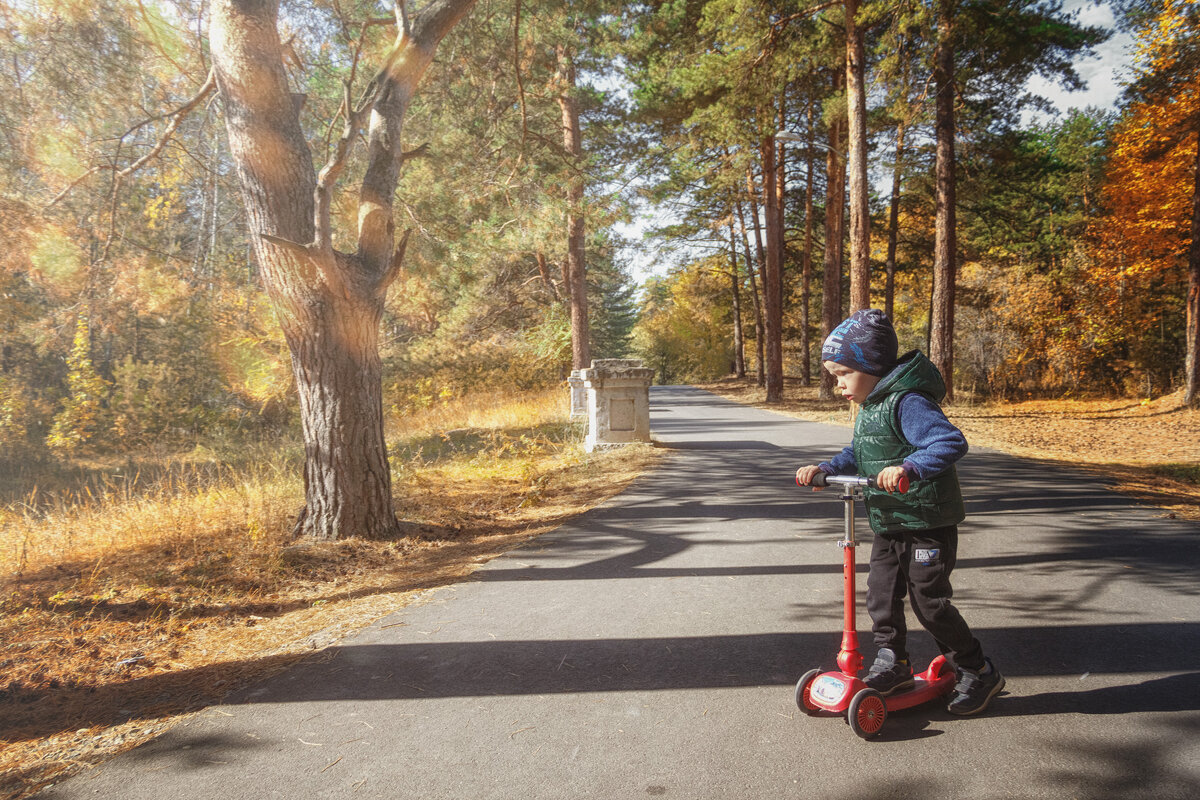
[[94, 661]]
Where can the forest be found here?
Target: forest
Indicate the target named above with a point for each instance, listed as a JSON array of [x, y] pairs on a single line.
[[427, 199], [290, 289]]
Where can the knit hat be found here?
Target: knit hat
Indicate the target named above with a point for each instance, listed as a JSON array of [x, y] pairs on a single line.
[[865, 341]]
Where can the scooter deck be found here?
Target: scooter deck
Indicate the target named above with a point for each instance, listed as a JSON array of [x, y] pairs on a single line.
[[926, 688], [833, 691]]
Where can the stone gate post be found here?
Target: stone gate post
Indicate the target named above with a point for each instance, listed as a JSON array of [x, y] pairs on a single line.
[[618, 402]]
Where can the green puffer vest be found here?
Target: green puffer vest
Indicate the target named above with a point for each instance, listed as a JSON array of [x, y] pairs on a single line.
[[879, 442]]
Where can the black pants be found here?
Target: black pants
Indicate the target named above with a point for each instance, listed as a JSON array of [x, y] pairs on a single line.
[[919, 564]]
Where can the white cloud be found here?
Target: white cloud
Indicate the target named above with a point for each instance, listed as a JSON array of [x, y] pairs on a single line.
[[1103, 73]]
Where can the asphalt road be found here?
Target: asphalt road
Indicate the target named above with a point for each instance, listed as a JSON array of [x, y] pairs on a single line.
[[651, 647]]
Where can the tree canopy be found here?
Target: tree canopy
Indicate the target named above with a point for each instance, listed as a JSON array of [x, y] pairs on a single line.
[[139, 301]]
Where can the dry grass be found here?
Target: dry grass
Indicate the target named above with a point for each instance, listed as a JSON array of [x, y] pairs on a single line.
[[136, 602], [1149, 449]]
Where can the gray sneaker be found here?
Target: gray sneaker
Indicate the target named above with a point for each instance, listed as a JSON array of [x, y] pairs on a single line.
[[975, 690], [889, 674]]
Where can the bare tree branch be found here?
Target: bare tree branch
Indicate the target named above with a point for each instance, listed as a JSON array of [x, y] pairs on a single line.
[[177, 117], [210, 84]]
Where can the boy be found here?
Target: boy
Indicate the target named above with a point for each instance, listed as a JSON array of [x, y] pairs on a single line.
[[900, 432]]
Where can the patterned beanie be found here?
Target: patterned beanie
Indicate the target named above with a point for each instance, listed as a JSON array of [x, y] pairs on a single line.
[[865, 341]]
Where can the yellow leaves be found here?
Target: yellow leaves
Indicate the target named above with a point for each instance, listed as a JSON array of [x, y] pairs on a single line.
[[57, 259], [167, 201], [55, 149], [255, 369], [160, 32], [1156, 50]]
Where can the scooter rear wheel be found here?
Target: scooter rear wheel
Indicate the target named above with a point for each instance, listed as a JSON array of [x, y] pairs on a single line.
[[867, 713], [803, 692]]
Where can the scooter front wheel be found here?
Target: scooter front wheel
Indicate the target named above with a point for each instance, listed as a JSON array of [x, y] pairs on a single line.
[[804, 692], [867, 713]]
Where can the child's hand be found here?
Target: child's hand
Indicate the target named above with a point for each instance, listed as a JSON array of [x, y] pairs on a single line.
[[889, 478], [805, 475]]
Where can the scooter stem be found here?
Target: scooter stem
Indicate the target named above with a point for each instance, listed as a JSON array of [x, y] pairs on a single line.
[[849, 659]]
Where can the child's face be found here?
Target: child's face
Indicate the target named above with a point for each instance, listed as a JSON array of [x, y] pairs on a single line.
[[854, 385]]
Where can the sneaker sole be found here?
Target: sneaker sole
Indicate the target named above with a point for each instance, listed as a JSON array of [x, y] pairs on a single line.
[[982, 706]]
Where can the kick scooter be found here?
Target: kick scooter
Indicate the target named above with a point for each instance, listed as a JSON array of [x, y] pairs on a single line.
[[841, 691]]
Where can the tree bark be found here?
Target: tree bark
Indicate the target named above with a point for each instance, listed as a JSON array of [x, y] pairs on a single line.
[[941, 324], [754, 297], [581, 351], [860, 218], [806, 260], [544, 272], [739, 346], [773, 311], [329, 303], [761, 261], [1191, 394], [835, 200], [889, 295]]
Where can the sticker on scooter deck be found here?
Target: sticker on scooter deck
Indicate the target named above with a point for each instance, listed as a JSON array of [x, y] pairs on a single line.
[[828, 690]]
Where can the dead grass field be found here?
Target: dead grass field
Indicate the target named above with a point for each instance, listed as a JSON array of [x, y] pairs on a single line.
[[124, 609]]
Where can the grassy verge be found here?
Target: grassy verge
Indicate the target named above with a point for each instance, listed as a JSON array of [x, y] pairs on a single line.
[[137, 601]]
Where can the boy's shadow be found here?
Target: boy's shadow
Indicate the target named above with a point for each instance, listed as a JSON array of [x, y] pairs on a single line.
[[1170, 693]]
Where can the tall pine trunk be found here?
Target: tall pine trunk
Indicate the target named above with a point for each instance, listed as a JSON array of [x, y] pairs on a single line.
[[739, 347], [581, 351], [889, 292], [806, 260], [1191, 394], [755, 299], [945, 269], [860, 218], [761, 260], [773, 301], [835, 201]]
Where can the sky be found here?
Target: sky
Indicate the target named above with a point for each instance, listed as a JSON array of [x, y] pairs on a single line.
[[1102, 73]]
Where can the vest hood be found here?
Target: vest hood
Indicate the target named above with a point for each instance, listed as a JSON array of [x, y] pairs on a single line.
[[913, 373]]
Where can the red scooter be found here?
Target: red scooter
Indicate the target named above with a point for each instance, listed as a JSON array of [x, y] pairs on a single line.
[[842, 692]]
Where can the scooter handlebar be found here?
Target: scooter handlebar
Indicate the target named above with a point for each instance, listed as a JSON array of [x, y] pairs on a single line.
[[822, 479]]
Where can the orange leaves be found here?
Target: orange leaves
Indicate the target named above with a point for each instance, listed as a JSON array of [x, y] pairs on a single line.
[[1151, 175]]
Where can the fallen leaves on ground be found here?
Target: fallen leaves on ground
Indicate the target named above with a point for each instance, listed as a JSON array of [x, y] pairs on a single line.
[[96, 657]]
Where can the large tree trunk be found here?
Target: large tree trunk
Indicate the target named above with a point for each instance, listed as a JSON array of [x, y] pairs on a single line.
[[581, 351], [860, 218], [329, 303], [773, 311], [835, 201], [1191, 394], [941, 324]]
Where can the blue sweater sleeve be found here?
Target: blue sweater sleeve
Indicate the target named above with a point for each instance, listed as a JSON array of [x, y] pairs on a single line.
[[939, 444], [841, 464]]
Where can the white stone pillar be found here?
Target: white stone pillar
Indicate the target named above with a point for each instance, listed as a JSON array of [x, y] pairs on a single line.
[[579, 405], [618, 402]]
